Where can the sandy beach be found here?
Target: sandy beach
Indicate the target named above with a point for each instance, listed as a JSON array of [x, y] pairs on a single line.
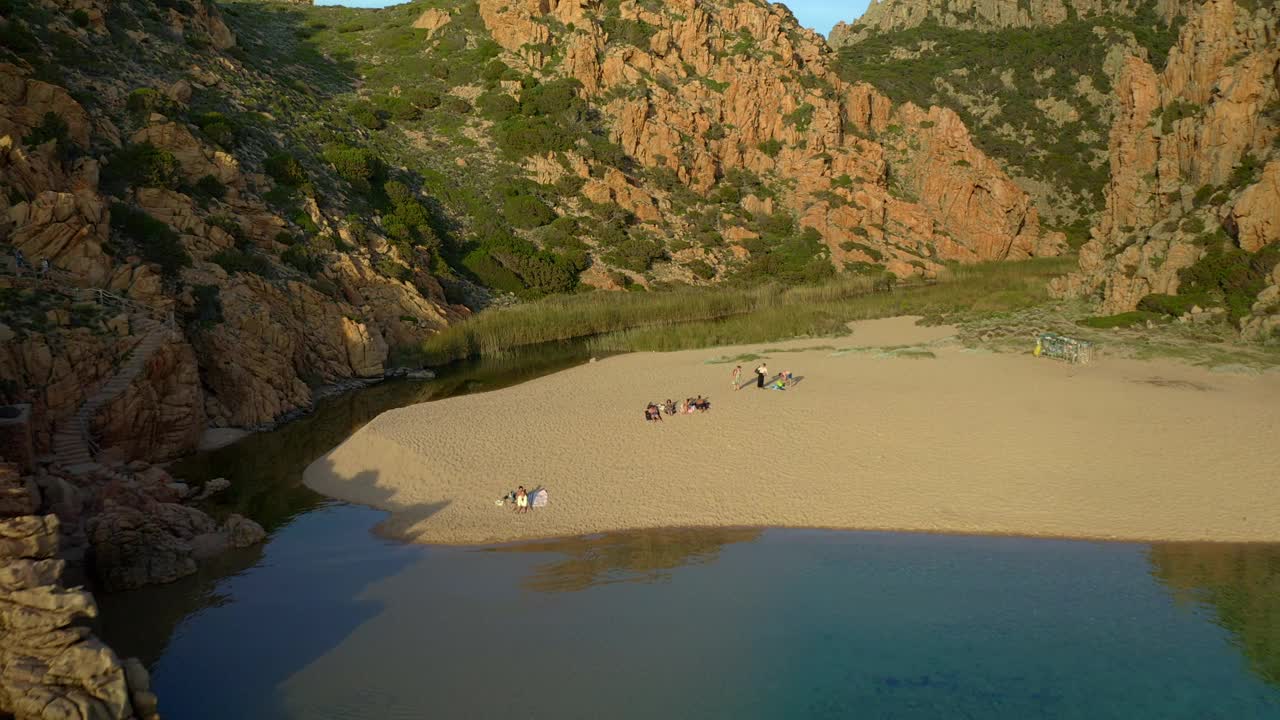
[[936, 438]]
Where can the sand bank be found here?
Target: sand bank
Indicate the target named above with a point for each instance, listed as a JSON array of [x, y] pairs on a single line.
[[964, 441]]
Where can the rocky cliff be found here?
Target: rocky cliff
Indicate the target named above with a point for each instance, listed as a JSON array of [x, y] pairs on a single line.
[[884, 16], [139, 174], [1033, 80], [1192, 200], [51, 665], [710, 92]]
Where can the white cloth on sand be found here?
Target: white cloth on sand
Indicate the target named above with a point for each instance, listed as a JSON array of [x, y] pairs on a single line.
[[540, 498]]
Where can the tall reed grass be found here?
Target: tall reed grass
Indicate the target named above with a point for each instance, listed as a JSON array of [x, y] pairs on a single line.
[[686, 319]]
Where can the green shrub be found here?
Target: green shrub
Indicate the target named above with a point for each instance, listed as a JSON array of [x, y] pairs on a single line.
[[770, 147], [636, 253], [142, 165], [802, 117], [702, 269], [494, 71], [285, 169], [555, 98], [628, 32], [358, 166], [394, 270], [303, 259], [210, 187], [1203, 194], [232, 227], [218, 128], [156, 241], [521, 136], [526, 211], [497, 106], [51, 128], [398, 108], [1175, 305], [1229, 273], [422, 97], [206, 305], [1122, 320], [239, 261], [80, 17], [1177, 110], [365, 114], [1246, 172], [456, 105], [144, 101]]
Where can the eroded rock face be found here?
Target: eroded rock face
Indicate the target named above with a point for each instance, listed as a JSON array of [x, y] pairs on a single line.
[[276, 335], [51, 666], [160, 414], [887, 15], [905, 184], [1185, 154]]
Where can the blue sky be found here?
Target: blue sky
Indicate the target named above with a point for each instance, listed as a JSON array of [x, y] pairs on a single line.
[[817, 14]]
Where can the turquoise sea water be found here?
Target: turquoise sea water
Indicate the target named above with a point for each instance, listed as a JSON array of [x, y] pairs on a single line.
[[335, 622], [328, 620]]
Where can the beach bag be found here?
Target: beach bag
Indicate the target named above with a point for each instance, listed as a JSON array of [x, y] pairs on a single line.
[[539, 499]]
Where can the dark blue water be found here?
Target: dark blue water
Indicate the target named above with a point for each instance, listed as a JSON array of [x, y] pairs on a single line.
[[329, 620], [334, 622]]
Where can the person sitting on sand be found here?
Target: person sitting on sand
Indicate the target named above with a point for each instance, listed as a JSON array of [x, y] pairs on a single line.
[[652, 413], [690, 406], [670, 406], [703, 404], [522, 500], [787, 378]]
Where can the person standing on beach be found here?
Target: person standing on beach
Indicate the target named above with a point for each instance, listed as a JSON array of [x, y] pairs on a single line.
[[761, 373], [737, 375]]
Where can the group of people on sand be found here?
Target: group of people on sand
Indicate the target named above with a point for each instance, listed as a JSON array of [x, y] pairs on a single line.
[[781, 381], [653, 413]]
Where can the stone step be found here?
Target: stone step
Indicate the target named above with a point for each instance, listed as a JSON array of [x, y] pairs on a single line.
[[82, 469]]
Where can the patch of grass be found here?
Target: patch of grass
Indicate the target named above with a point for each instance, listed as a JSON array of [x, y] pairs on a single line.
[[1122, 320], [691, 318]]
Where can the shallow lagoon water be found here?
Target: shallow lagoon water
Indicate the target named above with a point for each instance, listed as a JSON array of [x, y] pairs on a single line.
[[329, 620]]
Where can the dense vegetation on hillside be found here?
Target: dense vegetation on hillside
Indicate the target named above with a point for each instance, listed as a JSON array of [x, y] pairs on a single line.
[[1039, 99]]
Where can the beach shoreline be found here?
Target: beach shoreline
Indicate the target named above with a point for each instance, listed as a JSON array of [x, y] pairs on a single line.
[[895, 429]]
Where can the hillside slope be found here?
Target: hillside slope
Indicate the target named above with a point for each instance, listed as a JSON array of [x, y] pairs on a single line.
[[673, 143], [1033, 81], [312, 191]]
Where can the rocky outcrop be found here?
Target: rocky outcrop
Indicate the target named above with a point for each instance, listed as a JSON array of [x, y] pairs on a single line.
[[1191, 166], [268, 337], [51, 665], [139, 532], [747, 89], [160, 415]]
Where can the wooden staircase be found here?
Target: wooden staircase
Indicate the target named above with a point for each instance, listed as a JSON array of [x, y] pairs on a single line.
[[73, 444]]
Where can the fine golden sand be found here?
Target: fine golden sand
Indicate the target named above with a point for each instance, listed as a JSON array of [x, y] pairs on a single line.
[[964, 441]]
